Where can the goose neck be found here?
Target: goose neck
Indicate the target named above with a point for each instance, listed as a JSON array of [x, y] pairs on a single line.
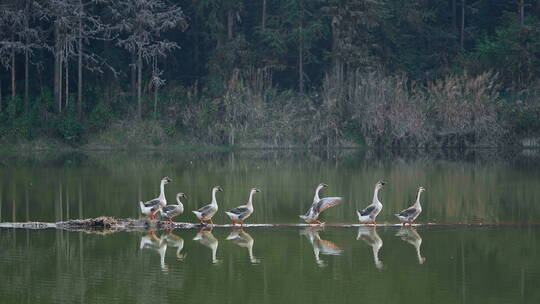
[[250, 201], [162, 191], [417, 203], [376, 195], [179, 202], [316, 198], [214, 200]]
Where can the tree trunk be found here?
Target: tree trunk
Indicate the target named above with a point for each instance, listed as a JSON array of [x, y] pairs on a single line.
[[26, 82], [301, 63], [521, 12], [462, 34], [13, 88], [230, 21], [57, 68], [133, 75], [79, 67], [155, 101], [263, 25], [60, 83], [66, 65], [454, 17], [139, 84], [336, 53]]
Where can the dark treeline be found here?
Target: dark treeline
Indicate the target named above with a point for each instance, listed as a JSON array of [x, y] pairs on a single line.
[[413, 73]]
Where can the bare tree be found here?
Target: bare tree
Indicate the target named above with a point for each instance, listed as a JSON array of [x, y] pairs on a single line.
[[18, 35], [62, 14], [74, 24], [142, 23]]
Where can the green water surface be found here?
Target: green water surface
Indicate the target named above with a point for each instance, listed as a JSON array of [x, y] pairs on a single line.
[[273, 265]]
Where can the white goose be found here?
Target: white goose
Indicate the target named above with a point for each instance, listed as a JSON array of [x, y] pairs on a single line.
[[151, 207], [410, 214], [206, 213], [369, 214], [372, 238], [241, 213], [319, 205], [409, 235], [171, 211]]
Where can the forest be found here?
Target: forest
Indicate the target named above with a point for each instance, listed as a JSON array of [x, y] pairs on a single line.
[[269, 73]]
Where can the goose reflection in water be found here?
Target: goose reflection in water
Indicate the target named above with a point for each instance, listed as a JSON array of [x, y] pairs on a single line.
[[320, 246], [173, 240], [409, 235], [243, 239], [206, 238], [152, 242], [371, 237]]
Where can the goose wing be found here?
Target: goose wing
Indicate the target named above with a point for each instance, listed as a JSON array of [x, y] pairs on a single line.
[[169, 208], [239, 210], [151, 203], [367, 211], [310, 211], [408, 212], [205, 209], [326, 203]]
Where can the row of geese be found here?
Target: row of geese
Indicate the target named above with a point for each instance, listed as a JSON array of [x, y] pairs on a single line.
[[239, 214], [243, 239]]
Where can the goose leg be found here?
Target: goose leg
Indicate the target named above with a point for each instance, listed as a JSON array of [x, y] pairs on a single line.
[[211, 222], [241, 224]]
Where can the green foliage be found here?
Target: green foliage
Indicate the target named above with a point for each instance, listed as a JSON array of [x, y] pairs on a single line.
[[514, 52], [69, 129], [381, 72], [100, 117]]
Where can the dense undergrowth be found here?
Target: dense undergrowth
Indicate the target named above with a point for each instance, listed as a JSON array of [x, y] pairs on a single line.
[[247, 110]]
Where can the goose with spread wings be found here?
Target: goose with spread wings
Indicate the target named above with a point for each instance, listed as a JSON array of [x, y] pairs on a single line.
[[319, 205]]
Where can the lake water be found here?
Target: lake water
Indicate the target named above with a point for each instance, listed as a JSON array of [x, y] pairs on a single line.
[[271, 265]]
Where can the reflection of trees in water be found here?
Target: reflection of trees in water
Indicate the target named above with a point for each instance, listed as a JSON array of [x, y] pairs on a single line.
[[84, 267], [462, 186]]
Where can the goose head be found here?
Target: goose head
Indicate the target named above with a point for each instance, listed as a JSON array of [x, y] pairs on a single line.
[[166, 180], [217, 188], [421, 189], [181, 195], [322, 185], [255, 190], [380, 184]]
